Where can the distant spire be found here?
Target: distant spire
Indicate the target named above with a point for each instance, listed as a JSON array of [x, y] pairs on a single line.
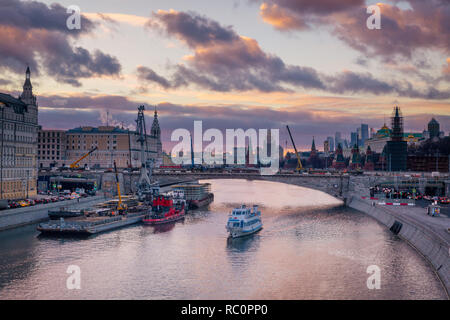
[[156, 130], [27, 93], [313, 147]]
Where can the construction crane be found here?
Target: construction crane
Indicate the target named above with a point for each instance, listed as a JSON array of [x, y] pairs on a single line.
[[75, 164], [299, 162], [120, 205]]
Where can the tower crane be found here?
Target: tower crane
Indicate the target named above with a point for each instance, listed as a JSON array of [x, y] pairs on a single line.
[[299, 162]]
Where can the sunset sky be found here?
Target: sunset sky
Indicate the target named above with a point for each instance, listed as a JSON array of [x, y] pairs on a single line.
[[311, 64]]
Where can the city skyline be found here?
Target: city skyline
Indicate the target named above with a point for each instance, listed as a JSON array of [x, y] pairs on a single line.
[[241, 64]]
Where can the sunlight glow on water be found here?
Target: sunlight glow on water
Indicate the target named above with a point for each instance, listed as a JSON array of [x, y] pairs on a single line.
[[308, 249]]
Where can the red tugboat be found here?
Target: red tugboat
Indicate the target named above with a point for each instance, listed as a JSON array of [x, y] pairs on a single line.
[[167, 209]]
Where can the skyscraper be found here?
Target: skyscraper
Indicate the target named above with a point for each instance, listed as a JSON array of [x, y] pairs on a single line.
[[358, 132], [337, 138], [364, 133], [353, 138], [331, 143], [433, 128]]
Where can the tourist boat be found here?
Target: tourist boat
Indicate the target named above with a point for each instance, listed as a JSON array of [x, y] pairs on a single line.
[[167, 208], [244, 221]]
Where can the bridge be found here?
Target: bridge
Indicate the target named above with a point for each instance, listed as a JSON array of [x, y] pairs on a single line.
[[339, 185]]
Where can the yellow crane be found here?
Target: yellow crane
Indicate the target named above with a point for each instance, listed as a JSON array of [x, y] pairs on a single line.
[[75, 164], [120, 205], [299, 162]]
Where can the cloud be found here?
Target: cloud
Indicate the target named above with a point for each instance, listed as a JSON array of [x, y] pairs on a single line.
[[193, 29], [319, 119], [302, 14], [224, 61], [4, 82], [149, 75], [446, 70], [424, 25], [36, 34]]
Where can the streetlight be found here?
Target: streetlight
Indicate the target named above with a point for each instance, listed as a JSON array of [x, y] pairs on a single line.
[[2, 107], [28, 177]]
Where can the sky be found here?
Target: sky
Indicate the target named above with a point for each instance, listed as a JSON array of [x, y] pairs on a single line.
[[311, 64]]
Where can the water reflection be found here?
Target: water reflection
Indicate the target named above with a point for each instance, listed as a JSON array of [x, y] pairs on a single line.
[[164, 227], [308, 249]]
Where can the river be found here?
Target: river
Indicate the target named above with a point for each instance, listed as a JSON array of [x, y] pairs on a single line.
[[310, 248]]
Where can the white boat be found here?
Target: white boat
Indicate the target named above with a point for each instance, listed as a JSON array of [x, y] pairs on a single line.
[[244, 221]]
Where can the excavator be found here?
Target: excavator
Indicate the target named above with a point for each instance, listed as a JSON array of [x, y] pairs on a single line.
[[75, 165], [299, 162]]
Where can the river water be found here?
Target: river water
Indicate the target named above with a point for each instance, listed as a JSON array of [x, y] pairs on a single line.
[[310, 248]]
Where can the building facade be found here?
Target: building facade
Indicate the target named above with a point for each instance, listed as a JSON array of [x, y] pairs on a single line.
[[62, 148], [19, 131], [51, 148]]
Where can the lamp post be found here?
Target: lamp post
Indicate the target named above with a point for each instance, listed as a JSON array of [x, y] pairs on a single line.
[[2, 107], [28, 177]]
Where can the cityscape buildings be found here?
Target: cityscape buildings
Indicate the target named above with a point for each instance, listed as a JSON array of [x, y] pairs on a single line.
[[19, 130]]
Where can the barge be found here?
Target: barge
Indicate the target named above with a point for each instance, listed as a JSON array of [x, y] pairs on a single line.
[[65, 213], [94, 221], [197, 195]]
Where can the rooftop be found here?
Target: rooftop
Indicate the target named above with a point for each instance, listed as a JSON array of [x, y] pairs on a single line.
[[101, 129], [8, 100]]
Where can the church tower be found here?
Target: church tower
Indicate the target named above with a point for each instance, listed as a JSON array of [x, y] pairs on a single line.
[[155, 133], [27, 93], [28, 98], [156, 130]]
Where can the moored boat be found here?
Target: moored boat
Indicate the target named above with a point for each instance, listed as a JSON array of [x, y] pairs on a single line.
[[167, 209], [197, 195], [94, 221], [65, 213], [244, 221]]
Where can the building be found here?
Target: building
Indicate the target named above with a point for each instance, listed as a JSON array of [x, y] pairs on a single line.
[[338, 139], [331, 143], [379, 140], [326, 147], [396, 150], [428, 163], [364, 134], [313, 159], [62, 148], [355, 161], [353, 138], [51, 148], [433, 129], [370, 161], [339, 161], [19, 131]]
